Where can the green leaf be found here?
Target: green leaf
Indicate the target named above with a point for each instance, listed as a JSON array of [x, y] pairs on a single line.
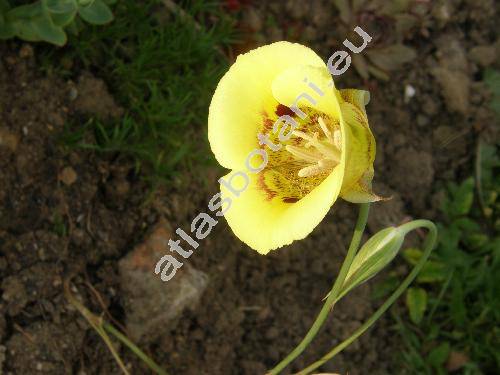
[[50, 33], [432, 272], [63, 19], [416, 302], [460, 200], [492, 79], [6, 29], [60, 6], [439, 355], [4, 6], [40, 28], [96, 13], [412, 255], [25, 11]]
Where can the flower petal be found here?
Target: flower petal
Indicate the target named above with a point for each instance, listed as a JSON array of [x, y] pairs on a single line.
[[295, 81], [267, 224], [243, 96]]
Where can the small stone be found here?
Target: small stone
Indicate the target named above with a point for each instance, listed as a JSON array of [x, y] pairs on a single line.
[[455, 86], [68, 176], [422, 120], [9, 140], [483, 55], [429, 106], [409, 93], [26, 51], [73, 93], [151, 305]]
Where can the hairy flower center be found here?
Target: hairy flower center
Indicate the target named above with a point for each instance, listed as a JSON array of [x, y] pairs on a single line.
[[320, 154]]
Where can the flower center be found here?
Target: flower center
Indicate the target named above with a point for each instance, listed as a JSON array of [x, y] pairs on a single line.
[[320, 155], [304, 160]]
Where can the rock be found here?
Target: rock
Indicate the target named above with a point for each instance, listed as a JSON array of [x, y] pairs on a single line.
[[68, 176], [14, 293], [452, 74], [455, 86], [93, 97], [153, 306], [483, 55], [9, 140]]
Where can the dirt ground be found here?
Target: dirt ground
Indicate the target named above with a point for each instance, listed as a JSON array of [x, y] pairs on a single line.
[[72, 214]]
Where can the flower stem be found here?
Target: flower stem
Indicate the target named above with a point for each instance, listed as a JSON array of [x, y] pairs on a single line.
[[332, 296], [429, 243]]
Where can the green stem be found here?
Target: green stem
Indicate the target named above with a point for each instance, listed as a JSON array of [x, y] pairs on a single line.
[[320, 319], [429, 243], [138, 352]]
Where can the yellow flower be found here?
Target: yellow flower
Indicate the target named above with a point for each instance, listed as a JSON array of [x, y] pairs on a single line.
[[293, 141]]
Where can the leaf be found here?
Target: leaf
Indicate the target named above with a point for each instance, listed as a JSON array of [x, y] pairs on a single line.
[[416, 302], [60, 6], [96, 13], [24, 11], [458, 310], [63, 19], [432, 272], [492, 79], [50, 32], [391, 57], [4, 6], [412, 255], [438, 356], [460, 199]]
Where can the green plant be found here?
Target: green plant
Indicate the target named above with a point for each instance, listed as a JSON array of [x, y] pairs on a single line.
[[161, 67], [454, 313], [47, 20]]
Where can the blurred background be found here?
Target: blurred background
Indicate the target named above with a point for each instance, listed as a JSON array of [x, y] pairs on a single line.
[[104, 152]]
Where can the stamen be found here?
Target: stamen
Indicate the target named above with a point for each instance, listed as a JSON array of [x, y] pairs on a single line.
[[327, 163], [327, 150], [325, 129], [312, 170], [302, 153], [337, 139]]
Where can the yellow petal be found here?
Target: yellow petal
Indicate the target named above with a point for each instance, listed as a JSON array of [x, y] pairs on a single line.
[[244, 95], [292, 88], [267, 224]]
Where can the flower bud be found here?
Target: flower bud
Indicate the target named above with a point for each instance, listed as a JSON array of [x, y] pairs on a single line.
[[374, 255]]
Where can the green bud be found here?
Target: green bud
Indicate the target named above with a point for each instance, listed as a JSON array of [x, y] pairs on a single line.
[[373, 256]]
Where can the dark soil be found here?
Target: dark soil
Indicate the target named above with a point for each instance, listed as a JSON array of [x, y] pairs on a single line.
[[72, 214]]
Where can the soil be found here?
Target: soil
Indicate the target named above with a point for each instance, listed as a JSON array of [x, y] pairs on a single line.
[[73, 214]]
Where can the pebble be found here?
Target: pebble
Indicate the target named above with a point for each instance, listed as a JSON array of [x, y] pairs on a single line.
[[483, 55], [68, 176]]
